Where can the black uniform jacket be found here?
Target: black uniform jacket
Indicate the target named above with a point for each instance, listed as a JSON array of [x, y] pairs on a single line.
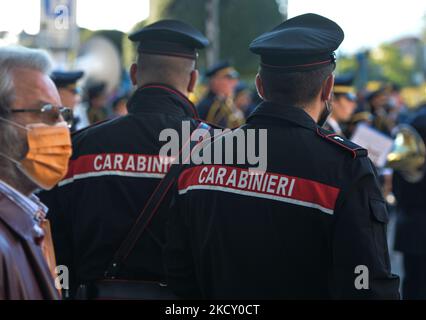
[[114, 168], [307, 228], [410, 235]]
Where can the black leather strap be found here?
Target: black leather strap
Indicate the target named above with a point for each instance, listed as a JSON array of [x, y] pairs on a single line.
[[147, 213]]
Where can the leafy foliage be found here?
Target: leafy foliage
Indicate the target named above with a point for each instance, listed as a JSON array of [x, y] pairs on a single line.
[[240, 22]]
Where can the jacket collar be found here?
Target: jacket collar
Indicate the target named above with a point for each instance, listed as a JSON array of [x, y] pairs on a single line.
[[274, 111], [161, 98]]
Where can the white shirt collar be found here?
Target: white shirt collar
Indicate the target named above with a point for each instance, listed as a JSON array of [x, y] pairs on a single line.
[[31, 205]]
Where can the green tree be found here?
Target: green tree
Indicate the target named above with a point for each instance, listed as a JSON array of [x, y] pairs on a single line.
[[385, 63], [388, 64], [240, 22], [346, 64]]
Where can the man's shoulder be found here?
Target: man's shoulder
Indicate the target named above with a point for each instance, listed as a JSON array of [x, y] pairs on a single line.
[[341, 144], [347, 157]]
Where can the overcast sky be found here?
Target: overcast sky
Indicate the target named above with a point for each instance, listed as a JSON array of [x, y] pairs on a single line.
[[366, 22], [18, 15]]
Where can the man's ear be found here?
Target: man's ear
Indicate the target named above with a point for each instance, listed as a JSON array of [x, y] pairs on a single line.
[[259, 87], [133, 72], [193, 80], [328, 88]]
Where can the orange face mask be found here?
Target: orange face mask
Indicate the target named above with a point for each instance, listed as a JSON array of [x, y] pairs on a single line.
[[49, 150]]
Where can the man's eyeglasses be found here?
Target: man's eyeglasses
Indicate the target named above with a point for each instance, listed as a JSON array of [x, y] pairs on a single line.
[[51, 114]]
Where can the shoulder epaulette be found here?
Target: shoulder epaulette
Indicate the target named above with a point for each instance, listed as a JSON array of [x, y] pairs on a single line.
[[345, 144]]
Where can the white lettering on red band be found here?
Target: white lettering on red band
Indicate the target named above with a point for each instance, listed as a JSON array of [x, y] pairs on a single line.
[[279, 187], [117, 164]]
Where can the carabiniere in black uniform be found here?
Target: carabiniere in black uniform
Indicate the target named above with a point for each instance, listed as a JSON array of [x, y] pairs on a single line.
[[304, 229], [113, 171]]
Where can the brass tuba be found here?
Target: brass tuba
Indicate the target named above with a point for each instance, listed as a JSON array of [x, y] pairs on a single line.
[[408, 154]]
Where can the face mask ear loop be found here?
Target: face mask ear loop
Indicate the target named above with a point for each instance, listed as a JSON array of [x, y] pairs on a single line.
[[17, 163], [13, 123], [324, 115], [327, 105]]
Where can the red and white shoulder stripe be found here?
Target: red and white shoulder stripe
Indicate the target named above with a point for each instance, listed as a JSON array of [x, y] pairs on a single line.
[[117, 164], [267, 185]]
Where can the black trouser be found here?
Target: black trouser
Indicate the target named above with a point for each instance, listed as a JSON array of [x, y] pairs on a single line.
[[414, 283]]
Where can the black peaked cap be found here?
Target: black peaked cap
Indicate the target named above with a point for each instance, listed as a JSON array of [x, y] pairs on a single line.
[[170, 37]]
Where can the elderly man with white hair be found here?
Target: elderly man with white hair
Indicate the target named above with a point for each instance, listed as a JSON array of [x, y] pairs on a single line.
[[34, 150]]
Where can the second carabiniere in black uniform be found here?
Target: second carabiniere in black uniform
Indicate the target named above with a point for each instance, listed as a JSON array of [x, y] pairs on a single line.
[[312, 224]]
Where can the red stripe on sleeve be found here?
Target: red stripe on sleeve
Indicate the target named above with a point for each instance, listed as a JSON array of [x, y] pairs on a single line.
[[268, 185], [119, 162]]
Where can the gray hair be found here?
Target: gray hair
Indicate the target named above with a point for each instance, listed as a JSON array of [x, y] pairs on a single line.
[[11, 143], [18, 57]]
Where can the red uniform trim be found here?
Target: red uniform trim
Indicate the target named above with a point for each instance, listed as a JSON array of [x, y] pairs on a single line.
[[190, 104], [330, 137], [307, 65], [118, 162], [272, 185]]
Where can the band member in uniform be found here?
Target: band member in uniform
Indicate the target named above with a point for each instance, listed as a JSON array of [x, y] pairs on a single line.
[[66, 83], [378, 101], [119, 106], [96, 102], [243, 99], [410, 236], [312, 224], [343, 104], [218, 106], [116, 164]]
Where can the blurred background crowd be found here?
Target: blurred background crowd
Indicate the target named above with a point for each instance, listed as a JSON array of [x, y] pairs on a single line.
[[388, 76], [380, 75]]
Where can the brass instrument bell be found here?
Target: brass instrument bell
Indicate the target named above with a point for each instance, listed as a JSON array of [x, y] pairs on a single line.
[[408, 154]]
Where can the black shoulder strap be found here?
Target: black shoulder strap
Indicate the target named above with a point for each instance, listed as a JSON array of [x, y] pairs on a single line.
[[148, 212], [347, 145]]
